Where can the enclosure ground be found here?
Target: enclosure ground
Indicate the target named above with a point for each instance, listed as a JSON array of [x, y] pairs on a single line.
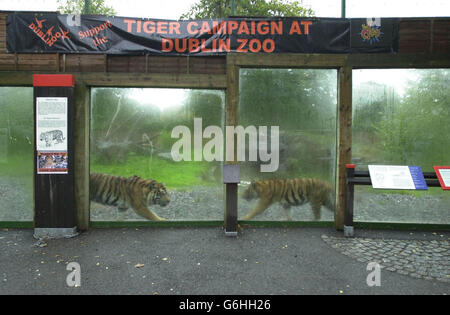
[[203, 261]]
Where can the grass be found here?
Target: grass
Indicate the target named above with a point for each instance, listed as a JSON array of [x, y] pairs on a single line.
[[174, 175], [17, 165]]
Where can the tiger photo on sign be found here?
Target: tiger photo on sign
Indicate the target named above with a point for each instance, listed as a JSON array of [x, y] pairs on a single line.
[[290, 192], [134, 192]]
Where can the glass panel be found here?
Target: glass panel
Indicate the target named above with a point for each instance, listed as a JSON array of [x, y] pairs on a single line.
[[16, 154], [400, 117], [302, 103], [131, 135]]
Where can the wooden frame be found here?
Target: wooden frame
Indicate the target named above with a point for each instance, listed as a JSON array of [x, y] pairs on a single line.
[[344, 64], [202, 77]]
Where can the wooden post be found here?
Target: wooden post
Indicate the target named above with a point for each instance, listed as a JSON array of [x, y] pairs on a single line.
[[344, 145], [54, 210], [81, 139], [231, 119], [349, 200]]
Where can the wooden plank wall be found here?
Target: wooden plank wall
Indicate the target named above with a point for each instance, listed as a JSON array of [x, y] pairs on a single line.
[[424, 36]]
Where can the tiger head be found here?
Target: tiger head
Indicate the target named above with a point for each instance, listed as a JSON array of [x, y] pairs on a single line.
[[156, 194], [251, 192]]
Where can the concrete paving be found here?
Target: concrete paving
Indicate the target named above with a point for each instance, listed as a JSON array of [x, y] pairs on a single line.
[[203, 261]]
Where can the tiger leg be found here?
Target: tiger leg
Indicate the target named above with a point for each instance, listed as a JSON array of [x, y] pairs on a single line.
[[122, 212], [143, 211], [260, 207], [315, 206], [287, 211]]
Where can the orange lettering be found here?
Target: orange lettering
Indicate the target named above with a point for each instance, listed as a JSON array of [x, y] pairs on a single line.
[[167, 45], [205, 28], [189, 28], [262, 28], [203, 47], [266, 43], [295, 28], [232, 25], [252, 47], [277, 27], [129, 24], [149, 27], [174, 27], [224, 45], [243, 28], [242, 42], [194, 45], [179, 48], [306, 25], [162, 27]]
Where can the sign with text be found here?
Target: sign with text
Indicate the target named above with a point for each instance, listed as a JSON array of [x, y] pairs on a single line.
[[51, 123], [58, 33], [397, 177], [443, 174]]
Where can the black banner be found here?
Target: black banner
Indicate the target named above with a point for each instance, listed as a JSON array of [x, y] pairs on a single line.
[[52, 33]]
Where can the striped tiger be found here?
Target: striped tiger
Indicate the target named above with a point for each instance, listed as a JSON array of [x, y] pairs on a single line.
[[290, 192], [124, 193]]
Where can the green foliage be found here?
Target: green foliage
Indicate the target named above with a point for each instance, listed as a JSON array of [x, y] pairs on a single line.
[[85, 7], [16, 120], [417, 132], [208, 9], [172, 174], [303, 104], [371, 102], [291, 99]]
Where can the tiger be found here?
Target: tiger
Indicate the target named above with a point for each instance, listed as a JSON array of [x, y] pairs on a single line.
[[290, 192], [50, 136], [124, 193], [48, 162]]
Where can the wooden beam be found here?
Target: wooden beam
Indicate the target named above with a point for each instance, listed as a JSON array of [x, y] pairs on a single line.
[[231, 119], [334, 61], [328, 61], [81, 127], [344, 141], [195, 81], [387, 61]]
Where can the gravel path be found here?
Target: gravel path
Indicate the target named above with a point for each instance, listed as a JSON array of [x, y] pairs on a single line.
[[16, 199]]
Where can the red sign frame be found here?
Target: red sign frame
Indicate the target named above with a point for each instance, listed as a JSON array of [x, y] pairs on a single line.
[[438, 174]]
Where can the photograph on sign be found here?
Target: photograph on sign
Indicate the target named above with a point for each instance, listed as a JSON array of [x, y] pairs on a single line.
[[443, 174], [51, 123], [52, 163], [391, 177]]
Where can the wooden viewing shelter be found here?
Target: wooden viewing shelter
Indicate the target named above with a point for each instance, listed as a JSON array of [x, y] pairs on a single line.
[[422, 43]]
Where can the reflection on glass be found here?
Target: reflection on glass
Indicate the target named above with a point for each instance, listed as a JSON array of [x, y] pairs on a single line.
[[131, 135], [400, 117], [302, 103], [16, 154]]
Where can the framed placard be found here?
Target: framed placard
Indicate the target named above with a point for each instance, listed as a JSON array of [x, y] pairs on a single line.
[[397, 177], [51, 124], [443, 174]]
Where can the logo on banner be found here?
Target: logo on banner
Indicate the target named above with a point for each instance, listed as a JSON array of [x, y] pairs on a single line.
[[371, 31], [50, 35]]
